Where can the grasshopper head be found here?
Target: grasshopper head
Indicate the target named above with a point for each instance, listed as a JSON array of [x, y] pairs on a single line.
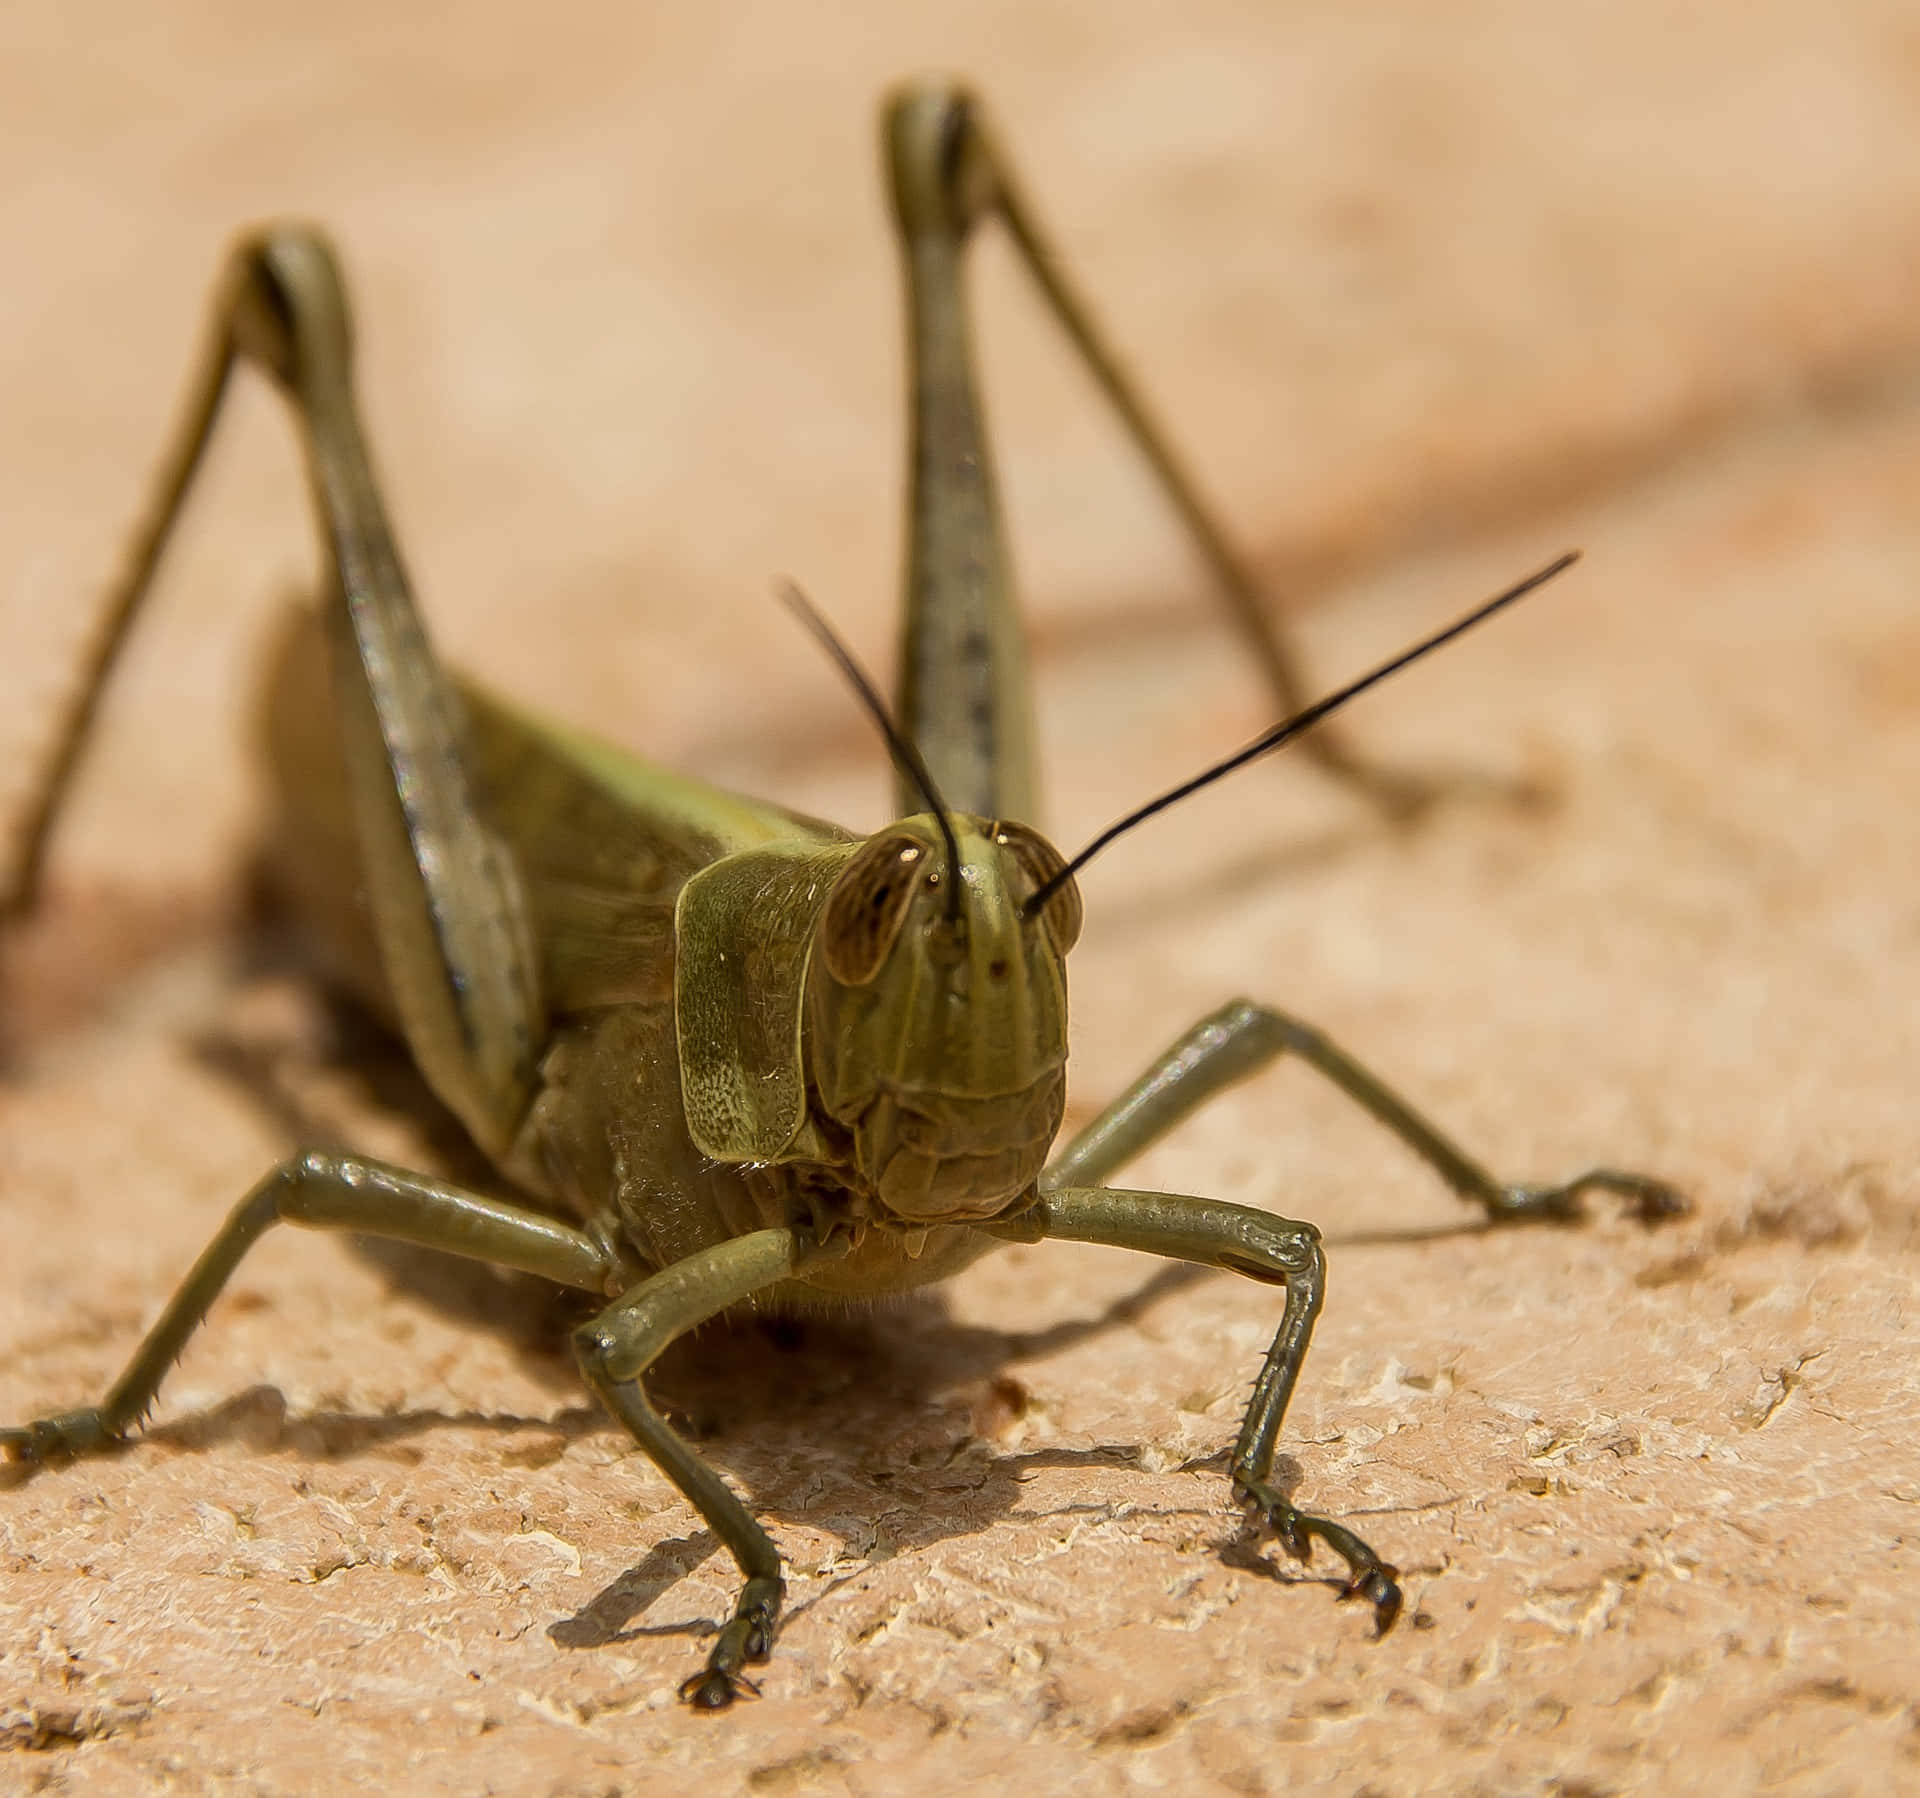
[[939, 1026]]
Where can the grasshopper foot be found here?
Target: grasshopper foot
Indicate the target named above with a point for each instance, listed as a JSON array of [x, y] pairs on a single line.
[[1651, 1201], [747, 1637], [63, 1437], [1369, 1577], [712, 1689]]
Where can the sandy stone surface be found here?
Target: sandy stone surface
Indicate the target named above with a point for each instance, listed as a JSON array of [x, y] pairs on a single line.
[[1430, 293]]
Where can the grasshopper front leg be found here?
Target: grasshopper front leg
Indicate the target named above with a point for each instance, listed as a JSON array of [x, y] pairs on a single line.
[[963, 680], [1263, 1247], [617, 1347]]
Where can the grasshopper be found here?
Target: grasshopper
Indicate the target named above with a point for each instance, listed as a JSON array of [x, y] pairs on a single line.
[[728, 1056]]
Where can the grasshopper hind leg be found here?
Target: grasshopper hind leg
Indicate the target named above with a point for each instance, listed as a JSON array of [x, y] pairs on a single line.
[[443, 890], [964, 691]]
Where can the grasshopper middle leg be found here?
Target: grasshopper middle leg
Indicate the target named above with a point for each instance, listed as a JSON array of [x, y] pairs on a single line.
[[1241, 1038], [343, 1192], [322, 1192]]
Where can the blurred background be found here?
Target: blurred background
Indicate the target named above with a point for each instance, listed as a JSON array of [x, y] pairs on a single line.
[[1397, 278]]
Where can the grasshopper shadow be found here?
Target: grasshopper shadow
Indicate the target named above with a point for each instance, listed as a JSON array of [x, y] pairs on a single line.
[[261, 1419], [89, 952], [868, 1427]]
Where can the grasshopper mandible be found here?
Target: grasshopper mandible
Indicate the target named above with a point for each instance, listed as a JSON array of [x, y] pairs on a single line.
[[731, 1056]]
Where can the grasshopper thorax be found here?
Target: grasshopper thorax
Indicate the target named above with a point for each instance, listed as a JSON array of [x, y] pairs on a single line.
[[937, 1036]]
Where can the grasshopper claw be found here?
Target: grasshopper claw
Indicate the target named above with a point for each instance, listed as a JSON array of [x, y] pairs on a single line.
[[748, 1637], [713, 1689], [1369, 1577], [707, 1690], [1378, 1586]]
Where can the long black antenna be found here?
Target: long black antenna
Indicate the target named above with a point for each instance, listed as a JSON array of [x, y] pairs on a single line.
[[1289, 728], [905, 754]]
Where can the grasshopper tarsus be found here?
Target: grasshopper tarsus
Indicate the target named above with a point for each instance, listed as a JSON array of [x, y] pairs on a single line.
[[1651, 1202], [1535, 1205], [747, 1638], [707, 1691]]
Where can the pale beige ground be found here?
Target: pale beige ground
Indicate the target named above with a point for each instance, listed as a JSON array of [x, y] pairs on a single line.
[[1431, 292]]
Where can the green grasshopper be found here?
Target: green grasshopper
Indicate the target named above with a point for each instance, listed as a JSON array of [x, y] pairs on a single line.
[[732, 1056]]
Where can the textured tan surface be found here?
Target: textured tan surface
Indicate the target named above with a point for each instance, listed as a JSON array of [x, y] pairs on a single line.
[[1430, 293]]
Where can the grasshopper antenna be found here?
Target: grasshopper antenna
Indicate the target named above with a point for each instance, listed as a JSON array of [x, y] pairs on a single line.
[[906, 756], [1289, 728]]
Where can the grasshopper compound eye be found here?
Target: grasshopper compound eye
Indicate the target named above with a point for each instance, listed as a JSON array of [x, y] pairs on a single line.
[[868, 906], [1043, 865]]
